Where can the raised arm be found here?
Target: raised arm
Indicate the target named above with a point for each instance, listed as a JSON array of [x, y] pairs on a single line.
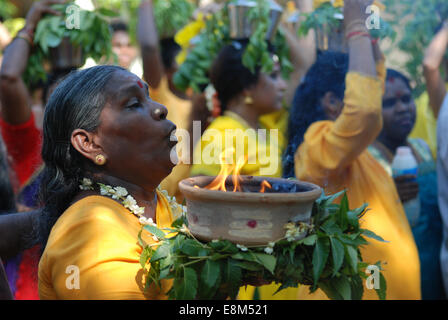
[[15, 100], [149, 44], [431, 69], [330, 147], [302, 52]]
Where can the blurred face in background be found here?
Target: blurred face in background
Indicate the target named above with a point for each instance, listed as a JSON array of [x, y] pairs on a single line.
[[121, 46], [399, 110]]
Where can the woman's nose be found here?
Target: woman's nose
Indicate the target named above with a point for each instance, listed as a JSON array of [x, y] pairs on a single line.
[[159, 112], [282, 84]]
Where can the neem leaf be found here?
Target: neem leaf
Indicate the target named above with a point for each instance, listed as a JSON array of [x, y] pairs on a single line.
[[161, 253], [352, 256], [342, 285], [191, 247], [309, 241], [337, 251], [52, 40], [267, 260], [320, 256], [381, 292], [372, 235], [155, 231], [357, 288], [342, 214], [209, 275], [186, 286], [232, 277]]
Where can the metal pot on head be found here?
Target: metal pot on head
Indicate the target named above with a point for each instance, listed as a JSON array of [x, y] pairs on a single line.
[[66, 56], [333, 39], [242, 28]]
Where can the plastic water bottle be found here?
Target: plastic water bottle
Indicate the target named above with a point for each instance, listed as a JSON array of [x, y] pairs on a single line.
[[403, 163]]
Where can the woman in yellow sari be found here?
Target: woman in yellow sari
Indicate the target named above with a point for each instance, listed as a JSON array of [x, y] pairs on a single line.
[[101, 126], [336, 115]]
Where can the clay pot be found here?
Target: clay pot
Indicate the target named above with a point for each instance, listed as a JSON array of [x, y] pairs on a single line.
[[248, 218], [66, 56]]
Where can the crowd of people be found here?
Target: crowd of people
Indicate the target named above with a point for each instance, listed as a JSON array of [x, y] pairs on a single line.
[[340, 119]]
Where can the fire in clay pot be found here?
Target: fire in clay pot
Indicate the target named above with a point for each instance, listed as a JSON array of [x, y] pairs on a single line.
[[255, 213]]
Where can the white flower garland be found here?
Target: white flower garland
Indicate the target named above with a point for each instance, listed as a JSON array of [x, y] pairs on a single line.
[[120, 193]]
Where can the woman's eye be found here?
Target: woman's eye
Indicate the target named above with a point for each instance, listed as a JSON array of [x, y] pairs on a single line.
[[134, 105]]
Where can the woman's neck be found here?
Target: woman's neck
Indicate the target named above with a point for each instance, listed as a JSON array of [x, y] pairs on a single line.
[[390, 144], [145, 196], [247, 112]]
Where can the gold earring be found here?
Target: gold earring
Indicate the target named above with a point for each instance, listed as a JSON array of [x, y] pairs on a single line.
[[100, 160], [248, 100]]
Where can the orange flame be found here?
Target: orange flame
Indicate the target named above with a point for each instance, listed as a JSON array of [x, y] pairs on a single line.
[[264, 185], [219, 183]]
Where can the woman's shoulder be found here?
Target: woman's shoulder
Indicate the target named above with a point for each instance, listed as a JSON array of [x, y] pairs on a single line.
[[89, 215]]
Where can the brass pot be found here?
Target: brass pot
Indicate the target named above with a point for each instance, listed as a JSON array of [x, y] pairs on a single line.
[[66, 56], [248, 218]]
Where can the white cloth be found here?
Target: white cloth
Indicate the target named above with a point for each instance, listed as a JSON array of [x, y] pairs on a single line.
[[442, 177]]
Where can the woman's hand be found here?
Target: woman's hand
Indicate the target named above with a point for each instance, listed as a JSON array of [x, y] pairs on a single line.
[[38, 10], [407, 187], [355, 13]]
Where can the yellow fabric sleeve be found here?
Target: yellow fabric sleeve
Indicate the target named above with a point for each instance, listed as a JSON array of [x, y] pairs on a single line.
[[331, 149], [98, 236]]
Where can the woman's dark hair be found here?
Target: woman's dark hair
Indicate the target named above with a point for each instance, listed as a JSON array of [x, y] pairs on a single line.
[[75, 104], [7, 199], [391, 73], [118, 25], [169, 50], [326, 75], [229, 76]]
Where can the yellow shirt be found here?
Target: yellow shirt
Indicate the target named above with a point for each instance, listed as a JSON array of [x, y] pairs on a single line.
[[98, 236], [179, 112], [228, 131], [334, 155]]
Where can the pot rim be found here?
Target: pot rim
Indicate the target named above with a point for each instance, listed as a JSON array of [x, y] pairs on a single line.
[[186, 186]]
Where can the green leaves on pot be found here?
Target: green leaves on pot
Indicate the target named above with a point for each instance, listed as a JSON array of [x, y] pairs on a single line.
[[329, 19], [172, 15], [328, 258], [194, 72], [92, 35]]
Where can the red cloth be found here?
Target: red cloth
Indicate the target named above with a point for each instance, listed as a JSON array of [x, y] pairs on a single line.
[[27, 284], [23, 142]]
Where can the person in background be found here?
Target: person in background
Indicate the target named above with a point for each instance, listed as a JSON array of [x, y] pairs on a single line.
[[335, 116], [22, 138], [159, 66], [399, 113], [439, 101], [429, 103]]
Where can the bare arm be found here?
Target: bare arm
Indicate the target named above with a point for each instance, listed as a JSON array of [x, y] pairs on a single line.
[[302, 52], [431, 63], [14, 97], [18, 232], [149, 44], [361, 53]]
